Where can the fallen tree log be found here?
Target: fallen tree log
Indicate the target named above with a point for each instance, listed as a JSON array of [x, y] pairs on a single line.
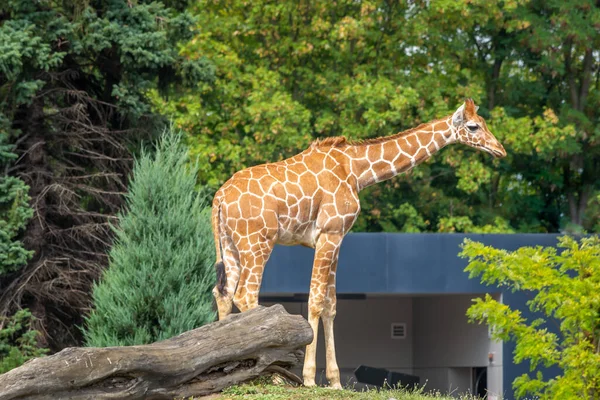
[[199, 362]]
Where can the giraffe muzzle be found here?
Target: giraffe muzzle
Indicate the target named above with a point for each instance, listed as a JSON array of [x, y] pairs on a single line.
[[498, 151], [495, 148]]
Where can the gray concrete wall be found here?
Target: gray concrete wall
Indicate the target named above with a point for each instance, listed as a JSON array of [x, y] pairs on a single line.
[[443, 337], [363, 335], [446, 346], [440, 347]]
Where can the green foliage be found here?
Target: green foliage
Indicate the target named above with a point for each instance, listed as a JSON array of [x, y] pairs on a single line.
[[288, 73], [464, 224], [15, 212], [406, 219], [14, 215], [18, 341], [160, 277], [75, 79], [121, 37], [566, 288]]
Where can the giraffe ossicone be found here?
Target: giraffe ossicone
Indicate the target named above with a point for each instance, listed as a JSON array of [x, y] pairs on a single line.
[[311, 199]]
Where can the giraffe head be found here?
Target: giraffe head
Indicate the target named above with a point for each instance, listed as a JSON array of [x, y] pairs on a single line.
[[472, 130]]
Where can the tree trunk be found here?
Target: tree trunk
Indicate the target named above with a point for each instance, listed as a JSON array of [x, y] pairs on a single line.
[[493, 83], [578, 204], [195, 363]]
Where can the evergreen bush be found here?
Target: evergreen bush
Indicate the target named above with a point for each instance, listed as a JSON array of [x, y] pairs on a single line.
[[15, 212], [18, 341], [159, 280]]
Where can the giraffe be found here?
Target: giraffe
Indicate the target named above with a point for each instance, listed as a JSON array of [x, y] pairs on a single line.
[[311, 199]]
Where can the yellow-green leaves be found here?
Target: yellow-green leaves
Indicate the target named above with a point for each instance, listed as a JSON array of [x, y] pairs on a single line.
[[565, 287], [543, 135]]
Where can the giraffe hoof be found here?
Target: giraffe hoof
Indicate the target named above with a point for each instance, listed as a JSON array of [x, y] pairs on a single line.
[[335, 386], [309, 382]]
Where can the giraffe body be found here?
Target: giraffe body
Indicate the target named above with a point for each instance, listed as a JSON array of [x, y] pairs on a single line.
[[311, 199], [291, 201]]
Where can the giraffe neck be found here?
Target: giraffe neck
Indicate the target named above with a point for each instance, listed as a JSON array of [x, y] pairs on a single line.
[[377, 160]]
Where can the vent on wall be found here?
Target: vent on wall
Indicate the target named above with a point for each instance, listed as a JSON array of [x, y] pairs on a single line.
[[398, 330]]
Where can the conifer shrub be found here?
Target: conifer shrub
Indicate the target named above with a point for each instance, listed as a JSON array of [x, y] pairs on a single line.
[[15, 213], [160, 276], [18, 340]]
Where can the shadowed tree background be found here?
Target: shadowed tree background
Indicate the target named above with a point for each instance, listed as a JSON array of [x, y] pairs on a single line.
[[74, 78]]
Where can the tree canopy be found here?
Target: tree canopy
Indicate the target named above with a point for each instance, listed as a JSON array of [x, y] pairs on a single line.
[[289, 72]]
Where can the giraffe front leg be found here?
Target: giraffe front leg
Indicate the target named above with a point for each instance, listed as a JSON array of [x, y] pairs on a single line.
[[326, 253], [332, 369], [310, 368]]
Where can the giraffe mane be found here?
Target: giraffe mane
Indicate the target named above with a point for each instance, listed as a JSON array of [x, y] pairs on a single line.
[[342, 141], [332, 141]]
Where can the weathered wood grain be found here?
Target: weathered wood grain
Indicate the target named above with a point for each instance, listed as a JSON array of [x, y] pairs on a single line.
[[198, 362]]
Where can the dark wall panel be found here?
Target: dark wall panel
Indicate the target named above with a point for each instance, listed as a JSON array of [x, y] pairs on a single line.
[[391, 263]]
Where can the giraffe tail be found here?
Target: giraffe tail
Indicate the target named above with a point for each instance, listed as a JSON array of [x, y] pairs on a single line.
[[219, 265]]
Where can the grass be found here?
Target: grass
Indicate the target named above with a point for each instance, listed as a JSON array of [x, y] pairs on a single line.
[[261, 390]]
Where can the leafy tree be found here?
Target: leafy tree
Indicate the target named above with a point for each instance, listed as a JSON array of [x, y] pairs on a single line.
[[558, 48], [565, 287], [289, 72], [74, 82], [160, 277], [464, 224], [18, 340], [538, 64]]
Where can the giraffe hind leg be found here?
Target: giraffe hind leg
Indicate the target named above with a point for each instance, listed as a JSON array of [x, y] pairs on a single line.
[[329, 311], [252, 262]]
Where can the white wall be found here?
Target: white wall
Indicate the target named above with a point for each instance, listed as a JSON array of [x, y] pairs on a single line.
[[494, 370]]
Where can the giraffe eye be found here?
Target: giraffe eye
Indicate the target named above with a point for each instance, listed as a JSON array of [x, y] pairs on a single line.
[[472, 127]]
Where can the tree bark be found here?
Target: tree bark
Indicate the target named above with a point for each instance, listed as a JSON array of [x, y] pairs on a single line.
[[499, 55], [195, 363], [586, 79]]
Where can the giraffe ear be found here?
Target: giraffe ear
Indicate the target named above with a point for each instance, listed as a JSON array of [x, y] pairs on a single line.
[[459, 116]]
